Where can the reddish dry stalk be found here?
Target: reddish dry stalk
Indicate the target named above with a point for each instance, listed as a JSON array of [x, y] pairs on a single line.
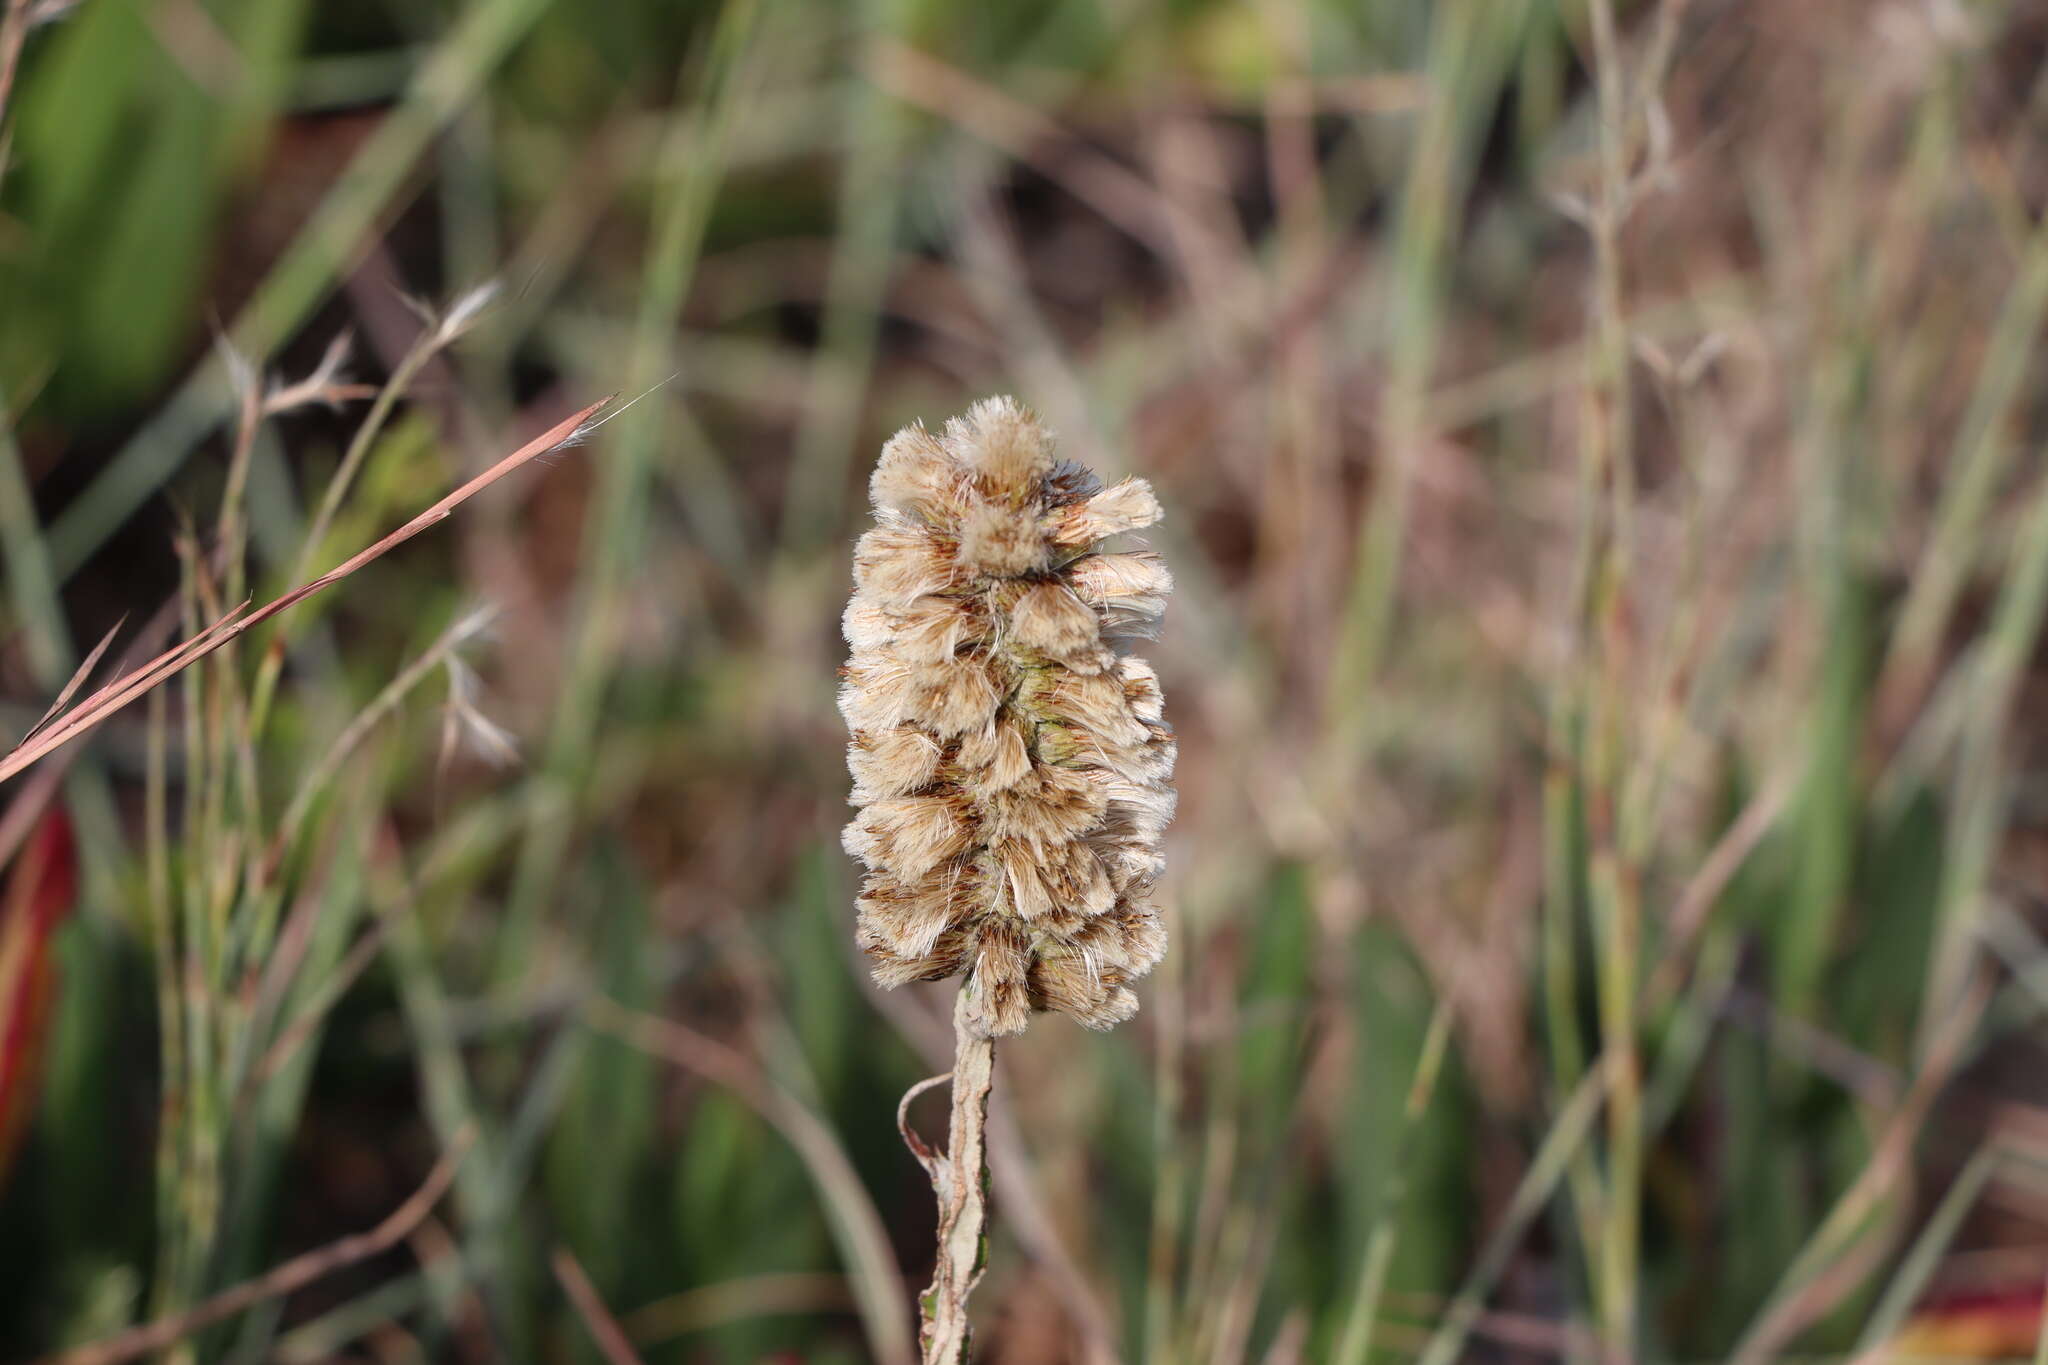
[[960, 1179], [89, 714], [611, 1339]]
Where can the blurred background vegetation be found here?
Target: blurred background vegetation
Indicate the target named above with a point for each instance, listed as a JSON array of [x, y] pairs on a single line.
[[1601, 446]]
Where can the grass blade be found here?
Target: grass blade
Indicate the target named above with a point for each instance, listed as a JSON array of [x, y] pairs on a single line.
[[96, 709]]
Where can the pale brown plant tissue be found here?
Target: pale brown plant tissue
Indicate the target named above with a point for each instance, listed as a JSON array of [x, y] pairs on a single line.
[[1011, 762]]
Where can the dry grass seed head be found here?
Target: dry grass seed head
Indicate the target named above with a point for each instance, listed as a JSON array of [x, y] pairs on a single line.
[[1011, 765]]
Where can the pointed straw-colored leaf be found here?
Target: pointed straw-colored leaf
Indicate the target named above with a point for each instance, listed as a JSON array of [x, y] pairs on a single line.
[[95, 709], [78, 678]]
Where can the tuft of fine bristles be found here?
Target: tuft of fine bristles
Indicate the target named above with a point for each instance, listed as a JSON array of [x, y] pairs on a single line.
[[1010, 763]]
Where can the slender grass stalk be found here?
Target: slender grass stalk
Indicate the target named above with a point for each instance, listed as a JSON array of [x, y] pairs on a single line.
[[877, 132], [604, 1329], [1984, 785], [1468, 45], [1983, 450], [1169, 1187], [1570, 1128], [447, 1096], [1607, 501], [960, 1179], [698, 147], [1925, 1257], [1828, 1264], [31, 585], [321, 774], [1355, 1346]]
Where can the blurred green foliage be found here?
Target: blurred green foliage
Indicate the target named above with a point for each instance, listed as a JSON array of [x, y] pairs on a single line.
[[1471, 703]]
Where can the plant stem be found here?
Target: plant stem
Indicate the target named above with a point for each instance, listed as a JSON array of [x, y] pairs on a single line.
[[960, 1179], [1355, 1346]]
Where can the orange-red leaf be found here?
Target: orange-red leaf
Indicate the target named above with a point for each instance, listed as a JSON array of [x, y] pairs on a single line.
[[40, 890], [1997, 1324]]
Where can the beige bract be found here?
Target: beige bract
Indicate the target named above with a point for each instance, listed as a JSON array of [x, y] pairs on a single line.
[[1011, 763]]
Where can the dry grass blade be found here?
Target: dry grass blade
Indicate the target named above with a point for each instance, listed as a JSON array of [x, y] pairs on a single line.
[[95, 709], [78, 678], [604, 1328], [21, 812], [288, 1278]]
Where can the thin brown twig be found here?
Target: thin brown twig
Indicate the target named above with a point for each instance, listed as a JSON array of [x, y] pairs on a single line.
[[604, 1328], [288, 1278]]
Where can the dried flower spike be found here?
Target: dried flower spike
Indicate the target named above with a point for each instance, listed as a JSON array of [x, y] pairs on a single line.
[[1010, 763]]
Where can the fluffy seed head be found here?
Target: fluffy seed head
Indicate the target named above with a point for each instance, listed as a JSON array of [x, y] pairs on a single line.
[[916, 477], [999, 542], [1006, 449], [1011, 765]]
